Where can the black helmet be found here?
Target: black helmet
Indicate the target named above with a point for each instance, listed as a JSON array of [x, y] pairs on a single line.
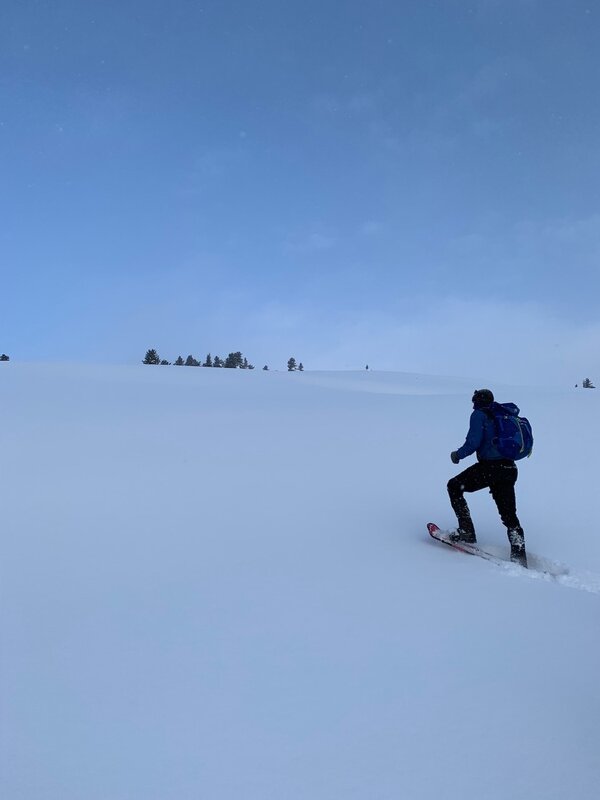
[[482, 398]]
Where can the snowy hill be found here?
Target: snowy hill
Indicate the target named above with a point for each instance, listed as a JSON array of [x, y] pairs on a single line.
[[218, 584]]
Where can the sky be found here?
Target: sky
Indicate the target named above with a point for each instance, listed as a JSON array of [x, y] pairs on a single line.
[[405, 183]]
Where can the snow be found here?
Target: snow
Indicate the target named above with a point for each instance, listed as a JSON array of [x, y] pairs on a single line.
[[219, 584]]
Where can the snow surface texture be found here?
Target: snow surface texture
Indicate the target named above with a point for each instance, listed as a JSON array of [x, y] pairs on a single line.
[[218, 584]]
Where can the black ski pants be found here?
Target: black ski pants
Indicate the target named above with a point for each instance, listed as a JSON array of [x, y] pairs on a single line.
[[500, 477]]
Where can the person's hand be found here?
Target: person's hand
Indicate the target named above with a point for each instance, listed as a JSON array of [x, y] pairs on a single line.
[[454, 457]]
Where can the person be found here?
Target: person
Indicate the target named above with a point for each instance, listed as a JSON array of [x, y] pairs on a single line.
[[491, 471]]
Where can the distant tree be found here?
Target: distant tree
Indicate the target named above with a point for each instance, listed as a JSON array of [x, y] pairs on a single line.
[[165, 363], [151, 357], [367, 367], [250, 366], [4, 357], [191, 362], [245, 364], [587, 384], [234, 360], [265, 368], [300, 367], [217, 362], [208, 362], [292, 365], [180, 362]]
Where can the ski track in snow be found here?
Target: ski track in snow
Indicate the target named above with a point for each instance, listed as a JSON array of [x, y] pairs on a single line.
[[544, 569], [541, 568]]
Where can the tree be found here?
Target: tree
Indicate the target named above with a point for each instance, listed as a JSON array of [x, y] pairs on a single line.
[[4, 357], [292, 365], [265, 368], [165, 363], [191, 362], [208, 362], [151, 357], [234, 360], [217, 362], [587, 384], [300, 367], [180, 362]]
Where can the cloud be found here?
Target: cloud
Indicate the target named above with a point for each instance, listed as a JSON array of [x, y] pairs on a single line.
[[488, 341], [555, 260], [310, 243], [498, 341], [214, 162], [371, 228], [334, 105], [582, 234], [508, 343]]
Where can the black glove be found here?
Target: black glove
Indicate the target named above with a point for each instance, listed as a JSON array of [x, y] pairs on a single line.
[[454, 456]]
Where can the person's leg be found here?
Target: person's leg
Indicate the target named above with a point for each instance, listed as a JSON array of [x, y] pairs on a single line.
[[470, 480], [502, 487]]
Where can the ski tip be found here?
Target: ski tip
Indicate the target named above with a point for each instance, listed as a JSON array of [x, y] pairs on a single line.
[[432, 527]]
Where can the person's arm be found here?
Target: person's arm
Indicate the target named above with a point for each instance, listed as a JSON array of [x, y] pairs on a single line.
[[474, 436]]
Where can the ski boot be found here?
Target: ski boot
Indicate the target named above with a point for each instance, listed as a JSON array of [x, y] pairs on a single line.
[[517, 547], [461, 535]]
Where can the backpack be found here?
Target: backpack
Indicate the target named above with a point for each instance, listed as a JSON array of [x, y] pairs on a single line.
[[514, 437]]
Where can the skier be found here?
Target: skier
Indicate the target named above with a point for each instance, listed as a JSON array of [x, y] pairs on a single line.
[[492, 471]]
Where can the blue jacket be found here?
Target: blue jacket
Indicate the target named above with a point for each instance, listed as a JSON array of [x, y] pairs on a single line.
[[479, 438]]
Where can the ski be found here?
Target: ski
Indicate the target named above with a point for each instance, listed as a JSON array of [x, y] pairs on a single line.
[[471, 549], [537, 564]]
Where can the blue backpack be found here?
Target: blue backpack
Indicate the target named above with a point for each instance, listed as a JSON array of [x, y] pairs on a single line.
[[514, 437]]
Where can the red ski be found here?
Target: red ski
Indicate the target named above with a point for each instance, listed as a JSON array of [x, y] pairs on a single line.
[[471, 549], [537, 564]]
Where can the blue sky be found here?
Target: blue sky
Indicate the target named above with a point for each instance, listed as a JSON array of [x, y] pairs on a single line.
[[413, 185]]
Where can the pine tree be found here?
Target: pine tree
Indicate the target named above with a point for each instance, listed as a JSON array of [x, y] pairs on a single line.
[[217, 362], [300, 367], [165, 363], [191, 362], [245, 364], [151, 357], [265, 368], [234, 360], [292, 365], [208, 362], [587, 384], [180, 362], [4, 357]]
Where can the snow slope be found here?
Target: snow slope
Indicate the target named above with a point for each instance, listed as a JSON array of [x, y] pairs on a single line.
[[218, 584]]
